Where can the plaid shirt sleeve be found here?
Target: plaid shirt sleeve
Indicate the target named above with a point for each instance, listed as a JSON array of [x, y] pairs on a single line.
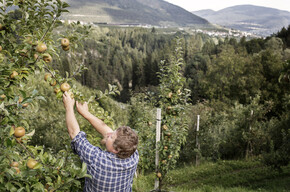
[[82, 147]]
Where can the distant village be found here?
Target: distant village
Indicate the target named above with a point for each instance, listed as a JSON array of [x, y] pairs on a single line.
[[230, 32], [213, 33]]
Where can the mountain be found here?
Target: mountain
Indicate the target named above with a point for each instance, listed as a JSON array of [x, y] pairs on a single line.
[[255, 19], [145, 12]]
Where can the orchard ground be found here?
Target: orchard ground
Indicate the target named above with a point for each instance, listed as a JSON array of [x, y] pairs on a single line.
[[222, 176]]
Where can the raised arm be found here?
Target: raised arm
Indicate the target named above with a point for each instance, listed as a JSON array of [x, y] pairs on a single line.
[[71, 122], [98, 124]]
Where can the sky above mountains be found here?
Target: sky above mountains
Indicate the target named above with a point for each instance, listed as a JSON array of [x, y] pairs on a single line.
[[194, 5]]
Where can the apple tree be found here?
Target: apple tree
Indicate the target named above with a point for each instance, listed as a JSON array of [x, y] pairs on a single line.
[[173, 99], [28, 45]]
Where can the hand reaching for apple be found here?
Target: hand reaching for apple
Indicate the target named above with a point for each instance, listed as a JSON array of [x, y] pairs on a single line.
[[82, 108], [68, 101]]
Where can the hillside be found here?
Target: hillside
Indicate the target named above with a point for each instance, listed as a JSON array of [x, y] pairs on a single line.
[[255, 19], [145, 12]]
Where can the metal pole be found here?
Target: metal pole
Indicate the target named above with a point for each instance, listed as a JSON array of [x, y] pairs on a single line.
[[158, 125]]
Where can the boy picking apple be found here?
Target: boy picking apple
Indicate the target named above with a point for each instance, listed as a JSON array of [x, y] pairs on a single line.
[[113, 169]]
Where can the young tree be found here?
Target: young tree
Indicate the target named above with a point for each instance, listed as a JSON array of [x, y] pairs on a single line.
[[172, 99]]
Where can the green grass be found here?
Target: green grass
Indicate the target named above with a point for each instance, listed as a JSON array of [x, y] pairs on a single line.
[[223, 176]]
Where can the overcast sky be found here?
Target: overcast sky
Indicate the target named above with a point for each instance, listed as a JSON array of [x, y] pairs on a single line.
[[194, 5]]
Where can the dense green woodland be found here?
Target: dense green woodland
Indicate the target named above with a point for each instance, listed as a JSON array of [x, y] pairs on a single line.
[[130, 57], [239, 87]]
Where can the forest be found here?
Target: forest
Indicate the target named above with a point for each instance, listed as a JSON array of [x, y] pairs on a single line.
[[239, 88]]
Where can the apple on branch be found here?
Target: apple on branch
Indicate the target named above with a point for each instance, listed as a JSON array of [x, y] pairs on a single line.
[[47, 58], [19, 132], [64, 42], [47, 76], [65, 87], [31, 163], [41, 47]]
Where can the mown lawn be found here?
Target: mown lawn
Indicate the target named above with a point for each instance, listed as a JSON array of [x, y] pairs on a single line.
[[223, 176]]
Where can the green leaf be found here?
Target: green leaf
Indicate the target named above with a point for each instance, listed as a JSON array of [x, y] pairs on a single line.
[[87, 175], [84, 168], [10, 172], [13, 27], [10, 187], [38, 166], [24, 123], [58, 180], [69, 180], [48, 179], [27, 188], [59, 94], [17, 183], [50, 13], [60, 163], [27, 100], [21, 189], [11, 131], [64, 5], [77, 183], [1, 178], [8, 142], [41, 98], [65, 11], [38, 186], [26, 15], [34, 92], [42, 158], [66, 75], [2, 108], [110, 87]]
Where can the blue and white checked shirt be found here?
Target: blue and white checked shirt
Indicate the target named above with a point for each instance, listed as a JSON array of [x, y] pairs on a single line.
[[109, 173]]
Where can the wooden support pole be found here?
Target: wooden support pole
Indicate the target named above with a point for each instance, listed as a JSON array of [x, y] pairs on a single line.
[[158, 132]]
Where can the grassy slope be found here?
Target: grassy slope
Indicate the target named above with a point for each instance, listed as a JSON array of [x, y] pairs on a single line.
[[228, 176]]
